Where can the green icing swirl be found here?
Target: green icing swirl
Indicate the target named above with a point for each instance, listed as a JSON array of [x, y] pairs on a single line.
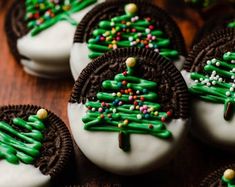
[[129, 30], [128, 106], [217, 83], [18, 146], [42, 14]]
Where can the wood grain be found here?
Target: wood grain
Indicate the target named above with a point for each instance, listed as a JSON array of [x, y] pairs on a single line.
[[191, 164]]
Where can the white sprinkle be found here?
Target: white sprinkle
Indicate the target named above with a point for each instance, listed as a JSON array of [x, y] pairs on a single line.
[[151, 45], [233, 61], [220, 80], [208, 62], [231, 89], [232, 77], [213, 60], [196, 81], [113, 94], [136, 17], [93, 109], [228, 93], [114, 110], [139, 34], [130, 39], [233, 85], [217, 64], [201, 79], [147, 31], [137, 92], [156, 50], [139, 116], [132, 107], [208, 84], [213, 82], [214, 72], [112, 23]]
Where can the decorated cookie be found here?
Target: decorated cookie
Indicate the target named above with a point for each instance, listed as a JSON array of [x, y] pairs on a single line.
[[40, 33], [223, 177], [35, 147], [128, 111], [120, 24], [209, 73]]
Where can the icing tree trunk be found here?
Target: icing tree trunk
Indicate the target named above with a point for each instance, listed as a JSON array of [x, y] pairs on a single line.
[[128, 106], [42, 14], [217, 84]]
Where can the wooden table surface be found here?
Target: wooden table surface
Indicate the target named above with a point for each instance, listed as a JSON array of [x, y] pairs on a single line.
[[191, 164]]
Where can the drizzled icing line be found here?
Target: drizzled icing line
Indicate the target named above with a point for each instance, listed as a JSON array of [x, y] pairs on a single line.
[[128, 106], [42, 14], [129, 30], [25, 145], [218, 83]]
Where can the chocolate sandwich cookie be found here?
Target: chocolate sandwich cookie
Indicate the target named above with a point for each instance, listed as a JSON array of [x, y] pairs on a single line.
[[119, 24], [40, 33], [223, 177], [216, 23], [210, 74], [35, 147], [128, 111]]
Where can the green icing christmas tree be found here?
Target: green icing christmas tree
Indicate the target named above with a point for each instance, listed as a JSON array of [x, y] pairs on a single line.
[[42, 14], [22, 146], [217, 83], [129, 30], [128, 106]]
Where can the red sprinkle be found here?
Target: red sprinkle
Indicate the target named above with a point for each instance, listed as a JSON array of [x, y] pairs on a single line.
[[124, 73], [122, 91], [102, 116], [163, 119], [36, 15], [169, 113], [151, 126], [142, 98], [118, 38], [133, 30], [151, 27], [135, 103]]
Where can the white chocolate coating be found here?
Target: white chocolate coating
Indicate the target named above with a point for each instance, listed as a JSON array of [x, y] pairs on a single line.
[[79, 59], [49, 50], [22, 175], [147, 152], [208, 122]]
